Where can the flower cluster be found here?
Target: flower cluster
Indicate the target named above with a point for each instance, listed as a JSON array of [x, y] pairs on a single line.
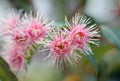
[[22, 31], [63, 43]]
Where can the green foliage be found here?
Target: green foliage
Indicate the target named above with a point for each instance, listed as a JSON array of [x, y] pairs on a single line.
[[90, 56], [21, 4], [112, 34], [108, 65], [5, 72]]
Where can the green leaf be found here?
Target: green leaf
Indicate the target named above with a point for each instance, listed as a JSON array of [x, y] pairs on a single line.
[[90, 56], [29, 55], [112, 34], [5, 72]]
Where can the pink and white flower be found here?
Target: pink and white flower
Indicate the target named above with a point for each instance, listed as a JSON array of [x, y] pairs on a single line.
[[61, 49], [9, 19], [30, 29], [79, 36], [21, 38], [22, 32], [15, 59], [36, 26], [60, 46], [36, 30], [81, 33]]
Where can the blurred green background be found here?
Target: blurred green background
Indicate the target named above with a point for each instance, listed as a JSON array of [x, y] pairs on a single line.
[[106, 13]]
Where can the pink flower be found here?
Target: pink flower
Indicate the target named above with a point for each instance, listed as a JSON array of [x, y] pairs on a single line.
[[36, 30], [23, 32], [12, 22], [61, 49], [60, 46], [36, 26], [20, 37], [79, 35], [10, 18], [15, 60], [9, 21]]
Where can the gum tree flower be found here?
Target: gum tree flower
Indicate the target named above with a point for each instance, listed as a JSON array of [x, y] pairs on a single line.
[[10, 24], [60, 46], [36, 25], [61, 49], [37, 30], [15, 59], [23, 32], [9, 18], [12, 28], [17, 36], [79, 36], [21, 38], [81, 33], [29, 30]]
